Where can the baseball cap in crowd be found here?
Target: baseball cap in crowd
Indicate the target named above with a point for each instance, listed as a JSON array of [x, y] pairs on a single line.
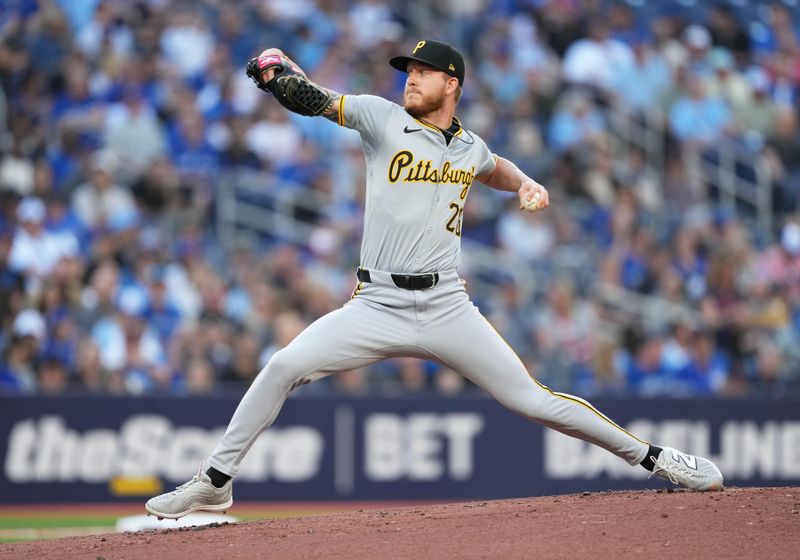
[[30, 322], [103, 160], [721, 59], [30, 209], [790, 238], [758, 79], [132, 301], [697, 36], [434, 53]]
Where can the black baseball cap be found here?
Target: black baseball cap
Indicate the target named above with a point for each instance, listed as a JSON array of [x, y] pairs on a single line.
[[437, 54]]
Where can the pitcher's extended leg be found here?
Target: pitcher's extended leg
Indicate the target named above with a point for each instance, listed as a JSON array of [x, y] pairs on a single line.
[[464, 340], [348, 338]]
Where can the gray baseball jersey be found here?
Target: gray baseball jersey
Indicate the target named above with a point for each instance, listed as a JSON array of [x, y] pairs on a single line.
[[417, 185]]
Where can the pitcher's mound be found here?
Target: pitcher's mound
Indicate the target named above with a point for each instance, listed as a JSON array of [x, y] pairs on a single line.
[[735, 523]]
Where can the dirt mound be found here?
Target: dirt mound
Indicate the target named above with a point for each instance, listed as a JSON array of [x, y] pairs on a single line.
[[735, 523]]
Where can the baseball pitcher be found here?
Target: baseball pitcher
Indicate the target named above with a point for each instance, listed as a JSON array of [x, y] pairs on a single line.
[[409, 300]]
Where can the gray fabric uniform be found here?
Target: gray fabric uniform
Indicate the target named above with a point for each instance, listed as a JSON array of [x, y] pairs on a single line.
[[417, 185]]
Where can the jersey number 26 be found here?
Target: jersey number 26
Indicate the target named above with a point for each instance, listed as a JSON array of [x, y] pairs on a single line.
[[454, 223]]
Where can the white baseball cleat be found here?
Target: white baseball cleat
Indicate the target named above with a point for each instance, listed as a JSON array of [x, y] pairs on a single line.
[[691, 471], [199, 494]]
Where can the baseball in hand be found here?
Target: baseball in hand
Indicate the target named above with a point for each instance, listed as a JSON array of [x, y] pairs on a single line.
[[532, 204]]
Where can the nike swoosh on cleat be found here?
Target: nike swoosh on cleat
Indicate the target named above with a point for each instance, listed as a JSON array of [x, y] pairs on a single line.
[[410, 130]]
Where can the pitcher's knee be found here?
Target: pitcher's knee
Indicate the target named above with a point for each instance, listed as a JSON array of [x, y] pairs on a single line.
[[283, 370]]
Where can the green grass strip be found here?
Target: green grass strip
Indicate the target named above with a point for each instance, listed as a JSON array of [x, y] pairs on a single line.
[[60, 521]]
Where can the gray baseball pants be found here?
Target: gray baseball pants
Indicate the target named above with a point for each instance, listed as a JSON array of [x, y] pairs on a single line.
[[441, 324]]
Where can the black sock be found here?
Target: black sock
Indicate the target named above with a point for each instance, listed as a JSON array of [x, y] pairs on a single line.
[[652, 453], [218, 479]]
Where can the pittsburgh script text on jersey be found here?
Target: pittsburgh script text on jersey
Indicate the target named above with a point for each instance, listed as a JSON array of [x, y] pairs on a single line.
[[422, 172]]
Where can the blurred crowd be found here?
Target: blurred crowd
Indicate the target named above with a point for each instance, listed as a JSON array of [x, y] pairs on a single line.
[[119, 119]]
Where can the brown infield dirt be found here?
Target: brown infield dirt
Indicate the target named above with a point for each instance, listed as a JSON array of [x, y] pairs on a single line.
[[735, 523]]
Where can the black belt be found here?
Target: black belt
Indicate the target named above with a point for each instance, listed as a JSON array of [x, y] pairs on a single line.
[[405, 281]]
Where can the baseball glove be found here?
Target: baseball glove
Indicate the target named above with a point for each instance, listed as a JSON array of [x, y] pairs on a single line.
[[289, 85]]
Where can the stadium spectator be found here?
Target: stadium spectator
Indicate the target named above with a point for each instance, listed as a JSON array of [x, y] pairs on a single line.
[[727, 83], [52, 378], [650, 72], [187, 42], [727, 32], [131, 347], [100, 202], [707, 371], [566, 335], [28, 337], [525, 236], [780, 264], [577, 121], [17, 170], [244, 364], [697, 118], [353, 383], [35, 251], [198, 378], [12, 286], [770, 371], [642, 365], [160, 312], [758, 121], [766, 37], [595, 60], [89, 372], [782, 155], [697, 42], [133, 133], [689, 263]]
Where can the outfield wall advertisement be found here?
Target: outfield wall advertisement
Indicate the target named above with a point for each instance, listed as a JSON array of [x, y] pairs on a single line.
[[117, 449]]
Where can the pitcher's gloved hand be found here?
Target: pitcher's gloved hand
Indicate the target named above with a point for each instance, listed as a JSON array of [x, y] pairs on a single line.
[[275, 72]]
